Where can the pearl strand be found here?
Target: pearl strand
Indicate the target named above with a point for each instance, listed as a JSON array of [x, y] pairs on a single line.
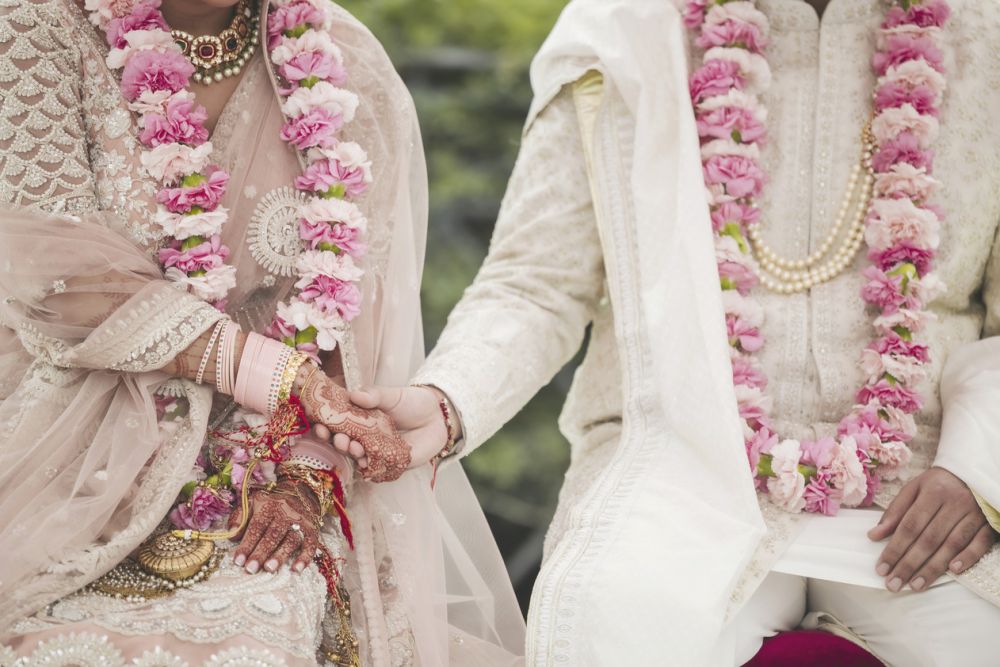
[[785, 276]]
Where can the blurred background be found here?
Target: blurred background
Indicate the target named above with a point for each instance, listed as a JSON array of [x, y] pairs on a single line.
[[466, 63]]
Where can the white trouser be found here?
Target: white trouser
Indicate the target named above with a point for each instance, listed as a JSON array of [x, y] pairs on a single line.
[[945, 626]]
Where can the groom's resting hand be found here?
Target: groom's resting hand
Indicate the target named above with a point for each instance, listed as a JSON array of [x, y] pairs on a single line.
[[934, 525]]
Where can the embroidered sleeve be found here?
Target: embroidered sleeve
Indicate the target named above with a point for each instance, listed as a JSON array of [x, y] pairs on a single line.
[[526, 313], [43, 155], [97, 301]]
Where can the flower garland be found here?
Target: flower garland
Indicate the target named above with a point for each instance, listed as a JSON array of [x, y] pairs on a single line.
[[155, 77], [902, 232]]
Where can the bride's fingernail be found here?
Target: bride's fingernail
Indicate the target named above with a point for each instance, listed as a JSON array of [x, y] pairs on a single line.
[[271, 565], [299, 567], [253, 567], [239, 560]]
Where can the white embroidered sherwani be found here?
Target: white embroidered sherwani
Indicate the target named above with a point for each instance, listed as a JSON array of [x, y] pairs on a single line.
[[562, 259]]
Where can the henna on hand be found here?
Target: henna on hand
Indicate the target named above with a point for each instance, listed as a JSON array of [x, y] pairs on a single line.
[[388, 454], [269, 539]]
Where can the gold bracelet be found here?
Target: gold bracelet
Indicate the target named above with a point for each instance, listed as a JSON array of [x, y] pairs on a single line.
[[295, 362]]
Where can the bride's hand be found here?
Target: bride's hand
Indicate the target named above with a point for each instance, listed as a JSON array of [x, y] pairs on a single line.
[[283, 528], [382, 454], [416, 412]]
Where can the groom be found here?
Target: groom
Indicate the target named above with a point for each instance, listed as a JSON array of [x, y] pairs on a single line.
[[659, 552]]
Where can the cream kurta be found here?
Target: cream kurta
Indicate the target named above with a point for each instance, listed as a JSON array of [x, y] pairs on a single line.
[[544, 280]]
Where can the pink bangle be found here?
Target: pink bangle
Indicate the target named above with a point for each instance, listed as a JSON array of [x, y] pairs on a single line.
[[314, 453], [261, 370], [250, 352]]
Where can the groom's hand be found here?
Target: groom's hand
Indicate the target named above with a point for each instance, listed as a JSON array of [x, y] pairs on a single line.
[[416, 412], [935, 525]]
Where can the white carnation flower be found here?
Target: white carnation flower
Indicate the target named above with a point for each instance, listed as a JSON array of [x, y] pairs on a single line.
[[323, 95], [208, 223], [318, 210], [311, 40], [322, 262], [168, 162], [214, 285], [140, 40], [753, 66]]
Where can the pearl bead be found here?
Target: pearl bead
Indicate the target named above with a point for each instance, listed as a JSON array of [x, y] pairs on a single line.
[[218, 76], [228, 72]]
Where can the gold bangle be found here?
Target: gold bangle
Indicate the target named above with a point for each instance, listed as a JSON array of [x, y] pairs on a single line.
[[295, 362]]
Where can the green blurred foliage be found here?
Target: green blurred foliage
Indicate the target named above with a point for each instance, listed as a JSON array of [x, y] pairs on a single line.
[[466, 63]]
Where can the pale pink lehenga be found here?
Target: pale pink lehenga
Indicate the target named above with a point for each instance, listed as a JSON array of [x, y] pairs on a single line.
[[86, 470]]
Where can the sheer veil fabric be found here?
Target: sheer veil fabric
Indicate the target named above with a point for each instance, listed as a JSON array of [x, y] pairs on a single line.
[[86, 470]]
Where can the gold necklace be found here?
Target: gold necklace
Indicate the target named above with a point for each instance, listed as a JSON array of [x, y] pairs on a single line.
[[218, 57]]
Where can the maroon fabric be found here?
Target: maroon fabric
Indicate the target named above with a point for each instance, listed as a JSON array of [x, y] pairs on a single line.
[[808, 648]]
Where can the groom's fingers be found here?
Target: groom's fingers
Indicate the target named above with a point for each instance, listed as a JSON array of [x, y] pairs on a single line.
[[894, 514], [369, 398], [911, 526]]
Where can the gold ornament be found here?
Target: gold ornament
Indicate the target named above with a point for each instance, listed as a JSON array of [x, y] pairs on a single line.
[[218, 57]]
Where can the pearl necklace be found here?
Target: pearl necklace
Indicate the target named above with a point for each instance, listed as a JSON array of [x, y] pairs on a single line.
[[787, 276]]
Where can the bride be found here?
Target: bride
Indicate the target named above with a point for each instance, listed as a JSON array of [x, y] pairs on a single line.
[[213, 222]]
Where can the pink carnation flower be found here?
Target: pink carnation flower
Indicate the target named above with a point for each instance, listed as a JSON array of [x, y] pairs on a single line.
[[893, 458], [746, 372], [204, 508], [144, 16], [694, 13], [740, 176], [730, 123], [732, 33], [715, 77], [206, 195], [741, 334], [317, 127], [347, 239], [874, 485], [926, 14], [152, 70], [322, 175], [900, 48], [847, 473], [892, 95], [896, 395], [820, 497], [181, 122], [888, 258], [895, 345], [292, 15], [332, 295], [738, 275], [904, 147], [787, 487], [312, 64], [205, 256], [818, 453], [882, 290], [732, 211]]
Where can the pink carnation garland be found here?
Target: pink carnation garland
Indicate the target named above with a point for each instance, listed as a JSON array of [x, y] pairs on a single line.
[[154, 79], [902, 233]]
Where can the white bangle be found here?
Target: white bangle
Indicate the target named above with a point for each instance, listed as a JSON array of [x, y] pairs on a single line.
[[207, 354]]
